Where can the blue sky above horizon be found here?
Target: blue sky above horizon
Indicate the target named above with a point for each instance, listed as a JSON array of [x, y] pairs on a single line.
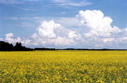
[[64, 23]]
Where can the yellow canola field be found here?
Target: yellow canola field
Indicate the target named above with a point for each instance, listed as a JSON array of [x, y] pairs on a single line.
[[63, 67]]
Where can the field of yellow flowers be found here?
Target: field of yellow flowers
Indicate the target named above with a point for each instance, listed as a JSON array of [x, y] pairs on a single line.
[[63, 67]]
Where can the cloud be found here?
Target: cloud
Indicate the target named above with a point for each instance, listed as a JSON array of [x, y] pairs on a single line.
[[96, 23], [72, 35], [52, 33], [71, 3], [88, 29], [11, 39], [106, 40], [94, 29], [68, 21], [46, 29], [26, 42]]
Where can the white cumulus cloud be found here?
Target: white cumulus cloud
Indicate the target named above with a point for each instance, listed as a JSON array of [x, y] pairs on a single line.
[[96, 23], [11, 39], [46, 29], [52, 33], [88, 29]]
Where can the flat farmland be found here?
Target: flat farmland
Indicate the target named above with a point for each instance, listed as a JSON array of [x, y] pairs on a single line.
[[63, 66]]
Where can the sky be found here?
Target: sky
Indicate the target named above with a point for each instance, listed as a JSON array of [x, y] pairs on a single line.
[[64, 23]]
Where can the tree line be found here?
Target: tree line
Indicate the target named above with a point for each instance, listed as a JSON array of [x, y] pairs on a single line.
[[5, 46]]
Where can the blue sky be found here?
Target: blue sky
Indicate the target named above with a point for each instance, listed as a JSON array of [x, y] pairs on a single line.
[[28, 21]]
